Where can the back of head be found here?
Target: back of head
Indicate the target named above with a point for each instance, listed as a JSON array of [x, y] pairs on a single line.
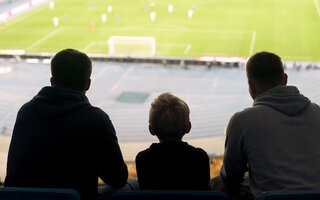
[[71, 68], [265, 69], [169, 117]]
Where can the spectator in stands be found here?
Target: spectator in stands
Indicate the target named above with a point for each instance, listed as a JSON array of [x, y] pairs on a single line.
[[60, 140], [171, 164], [276, 140]]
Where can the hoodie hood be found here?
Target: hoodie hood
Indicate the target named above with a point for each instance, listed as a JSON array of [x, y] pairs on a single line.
[[285, 99], [58, 101]]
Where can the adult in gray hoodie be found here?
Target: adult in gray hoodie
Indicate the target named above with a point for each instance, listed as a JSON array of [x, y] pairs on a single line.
[[60, 140], [278, 139]]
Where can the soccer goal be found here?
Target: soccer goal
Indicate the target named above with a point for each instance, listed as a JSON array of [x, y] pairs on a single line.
[[132, 46]]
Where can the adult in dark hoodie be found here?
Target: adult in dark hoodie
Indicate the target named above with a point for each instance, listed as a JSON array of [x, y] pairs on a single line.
[[60, 140], [276, 140]]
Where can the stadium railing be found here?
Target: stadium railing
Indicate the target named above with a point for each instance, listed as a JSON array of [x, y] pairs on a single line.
[[169, 195], [291, 195], [17, 193]]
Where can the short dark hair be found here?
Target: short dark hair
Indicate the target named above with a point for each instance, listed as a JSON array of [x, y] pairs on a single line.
[[71, 68], [265, 68], [169, 117]]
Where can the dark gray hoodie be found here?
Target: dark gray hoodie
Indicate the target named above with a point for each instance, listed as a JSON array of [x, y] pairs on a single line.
[[277, 141]]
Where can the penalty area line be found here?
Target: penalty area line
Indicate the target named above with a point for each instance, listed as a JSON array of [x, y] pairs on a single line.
[[92, 44], [253, 40], [317, 6], [89, 46], [44, 38]]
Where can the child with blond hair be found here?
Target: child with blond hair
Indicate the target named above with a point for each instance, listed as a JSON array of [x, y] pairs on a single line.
[[171, 164]]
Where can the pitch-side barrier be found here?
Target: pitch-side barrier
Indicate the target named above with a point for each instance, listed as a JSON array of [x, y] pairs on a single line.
[[16, 55], [184, 62]]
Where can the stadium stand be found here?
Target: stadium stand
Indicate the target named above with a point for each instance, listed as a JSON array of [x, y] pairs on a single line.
[[38, 194], [213, 95], [10, 9], [10, 4]]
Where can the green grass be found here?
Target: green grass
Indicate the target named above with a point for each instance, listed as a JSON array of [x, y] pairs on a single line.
[[290, 28]]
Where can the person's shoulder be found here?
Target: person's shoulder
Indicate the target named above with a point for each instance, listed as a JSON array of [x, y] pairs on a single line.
[[98, 113], [99, 121], [314, 106], [142, 155], [246, 114], [148, 152], [97, 110], [197, 151], [26, 107], [314, 109]]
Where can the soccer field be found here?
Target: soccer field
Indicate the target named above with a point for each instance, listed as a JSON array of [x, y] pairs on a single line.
[[290, 28]]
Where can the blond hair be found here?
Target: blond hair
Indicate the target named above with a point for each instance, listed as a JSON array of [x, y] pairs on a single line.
[[169, 117]]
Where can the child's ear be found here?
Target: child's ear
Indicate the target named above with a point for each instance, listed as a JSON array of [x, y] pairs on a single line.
[[151, 130], [188, 128]]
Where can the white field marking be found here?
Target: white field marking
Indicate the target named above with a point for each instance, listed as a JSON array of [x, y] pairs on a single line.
[[92, 44], [44, 38], [89, 46], [198, 3], [176, 30], [317, 6], [171, 44], [187, 49], [221, 54], [253, 40]]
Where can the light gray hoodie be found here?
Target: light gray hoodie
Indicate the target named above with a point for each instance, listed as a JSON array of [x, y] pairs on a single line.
[[277, 141]]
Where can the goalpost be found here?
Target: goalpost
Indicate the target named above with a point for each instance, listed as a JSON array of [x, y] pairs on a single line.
[[132, 46]]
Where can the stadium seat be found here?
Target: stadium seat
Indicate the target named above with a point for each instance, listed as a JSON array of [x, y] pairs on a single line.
[[15, 193], [169, 195], [291, 195]]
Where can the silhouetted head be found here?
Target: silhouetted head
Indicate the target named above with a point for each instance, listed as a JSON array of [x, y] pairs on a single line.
[[169, 118], [264, 71], [71, 68]]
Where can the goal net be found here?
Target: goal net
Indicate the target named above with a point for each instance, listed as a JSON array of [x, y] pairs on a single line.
[[132, 46]]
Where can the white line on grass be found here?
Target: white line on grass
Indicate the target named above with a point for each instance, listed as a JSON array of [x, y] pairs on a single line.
[[172, 44], [92, 44], [141, 29], [185, 3], [253, 40], [89, 46], [187, 49], [44, 38], [317, 6]]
